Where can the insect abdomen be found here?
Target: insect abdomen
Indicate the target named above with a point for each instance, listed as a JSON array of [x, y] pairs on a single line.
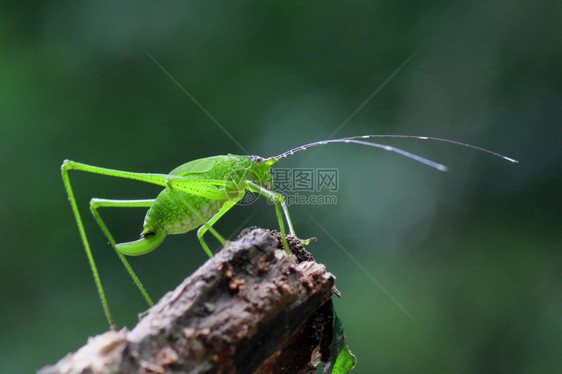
[[169, 212]]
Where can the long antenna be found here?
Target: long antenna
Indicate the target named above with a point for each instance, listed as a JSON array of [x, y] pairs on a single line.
[[360, 140]]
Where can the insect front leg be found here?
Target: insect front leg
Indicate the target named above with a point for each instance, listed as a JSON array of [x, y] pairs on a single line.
[[280, 208], [99, 203]]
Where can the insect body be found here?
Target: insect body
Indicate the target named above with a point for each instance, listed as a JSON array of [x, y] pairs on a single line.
[[198, 193]]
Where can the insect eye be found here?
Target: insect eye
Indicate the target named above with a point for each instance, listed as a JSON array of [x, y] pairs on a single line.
[[257, 159]]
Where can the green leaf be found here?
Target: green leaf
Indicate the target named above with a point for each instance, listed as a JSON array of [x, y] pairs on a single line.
[[341, 361]]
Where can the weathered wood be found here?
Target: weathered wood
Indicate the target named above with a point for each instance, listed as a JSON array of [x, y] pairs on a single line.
[[251, 309]]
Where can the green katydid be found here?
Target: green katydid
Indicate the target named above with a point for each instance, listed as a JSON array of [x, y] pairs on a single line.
[[198, 193]]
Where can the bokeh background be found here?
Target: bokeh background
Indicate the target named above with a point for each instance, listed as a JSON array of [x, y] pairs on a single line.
[[473, 254]]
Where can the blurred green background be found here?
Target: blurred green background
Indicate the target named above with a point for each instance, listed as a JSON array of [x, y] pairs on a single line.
[[472, 254]]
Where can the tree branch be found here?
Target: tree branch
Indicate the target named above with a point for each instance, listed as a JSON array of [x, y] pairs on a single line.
[[250, 309]]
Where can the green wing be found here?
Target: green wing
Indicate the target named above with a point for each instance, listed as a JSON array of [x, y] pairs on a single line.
[[209, 188], [201, 165], [198, 178]]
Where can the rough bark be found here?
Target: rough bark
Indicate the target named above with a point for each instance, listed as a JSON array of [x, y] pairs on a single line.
[[251, 309]]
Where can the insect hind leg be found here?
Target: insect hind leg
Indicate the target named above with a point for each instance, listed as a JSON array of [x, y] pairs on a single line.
[[105, 203]]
